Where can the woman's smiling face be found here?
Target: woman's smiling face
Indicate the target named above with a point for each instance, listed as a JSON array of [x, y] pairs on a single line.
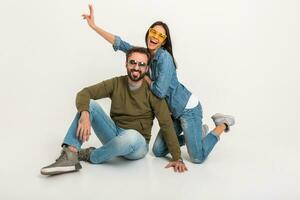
[[156, 37]]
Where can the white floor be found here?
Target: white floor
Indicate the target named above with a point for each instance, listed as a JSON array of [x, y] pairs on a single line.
[[246, 164]]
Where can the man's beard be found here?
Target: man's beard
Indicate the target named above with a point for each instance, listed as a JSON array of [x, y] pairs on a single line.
[[137, 77]]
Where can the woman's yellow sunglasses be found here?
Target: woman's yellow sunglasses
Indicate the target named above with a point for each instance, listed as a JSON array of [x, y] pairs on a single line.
[[161, 37]]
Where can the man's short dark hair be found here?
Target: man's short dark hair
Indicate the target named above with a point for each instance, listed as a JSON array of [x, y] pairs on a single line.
[[141, 50]]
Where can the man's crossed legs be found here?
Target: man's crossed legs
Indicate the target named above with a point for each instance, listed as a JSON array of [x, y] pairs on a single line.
[[116, 141]]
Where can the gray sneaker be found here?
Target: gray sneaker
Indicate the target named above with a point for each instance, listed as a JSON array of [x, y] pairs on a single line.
[[205, 130], [84, 154], [67, 162], [219, 119]]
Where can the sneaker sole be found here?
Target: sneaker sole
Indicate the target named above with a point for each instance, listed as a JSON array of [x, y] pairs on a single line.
[[60, 170]]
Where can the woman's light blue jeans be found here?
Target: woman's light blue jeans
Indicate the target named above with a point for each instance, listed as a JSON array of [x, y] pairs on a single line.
[[116, 141], [190, 123]]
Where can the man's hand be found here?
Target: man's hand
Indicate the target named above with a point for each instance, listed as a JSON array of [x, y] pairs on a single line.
[[178, 166], [90, 18], [84, 126]]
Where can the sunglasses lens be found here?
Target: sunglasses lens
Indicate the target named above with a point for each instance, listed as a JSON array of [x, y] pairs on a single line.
[[153, 31], [142, 64], [162, 36], [132, 62]]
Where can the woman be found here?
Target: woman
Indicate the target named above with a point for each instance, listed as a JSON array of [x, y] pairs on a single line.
[[185, 107]]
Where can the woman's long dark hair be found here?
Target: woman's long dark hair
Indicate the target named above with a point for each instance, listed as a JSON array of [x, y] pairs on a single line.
[[168, 42]]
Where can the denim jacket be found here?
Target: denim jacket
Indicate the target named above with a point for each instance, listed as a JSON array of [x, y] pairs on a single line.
[[165, 82]]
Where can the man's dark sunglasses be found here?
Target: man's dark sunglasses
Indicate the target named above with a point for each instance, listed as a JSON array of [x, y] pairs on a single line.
[[134, 62]]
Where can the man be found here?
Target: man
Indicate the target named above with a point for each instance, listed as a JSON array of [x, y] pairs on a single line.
[[128, 131]]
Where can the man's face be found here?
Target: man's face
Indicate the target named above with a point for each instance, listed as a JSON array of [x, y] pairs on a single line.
[[137, 66]]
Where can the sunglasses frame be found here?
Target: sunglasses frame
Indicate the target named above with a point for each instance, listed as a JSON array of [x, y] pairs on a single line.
[[140, 64], [161, 36]]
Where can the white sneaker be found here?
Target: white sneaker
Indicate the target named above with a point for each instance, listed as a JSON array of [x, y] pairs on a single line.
[[219, 119]]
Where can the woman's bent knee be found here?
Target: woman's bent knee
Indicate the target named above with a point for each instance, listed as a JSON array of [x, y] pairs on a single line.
[[197, 159]]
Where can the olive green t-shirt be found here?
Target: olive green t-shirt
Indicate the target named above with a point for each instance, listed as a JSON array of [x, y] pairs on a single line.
[[133, 109]]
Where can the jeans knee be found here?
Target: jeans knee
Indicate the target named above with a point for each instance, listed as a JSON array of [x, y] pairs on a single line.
[[131, 139], [140, 152], [158, 151], [93, 105], [95, 108], [197, 159]]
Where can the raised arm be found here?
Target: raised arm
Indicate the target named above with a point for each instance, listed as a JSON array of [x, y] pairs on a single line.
[[116, 41], [91, 22]]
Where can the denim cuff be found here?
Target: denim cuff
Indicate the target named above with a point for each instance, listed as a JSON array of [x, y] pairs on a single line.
[[69, 143], [214, 134], [117, 43]]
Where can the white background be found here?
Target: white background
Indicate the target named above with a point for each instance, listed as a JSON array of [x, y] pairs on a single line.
[[237, 57]]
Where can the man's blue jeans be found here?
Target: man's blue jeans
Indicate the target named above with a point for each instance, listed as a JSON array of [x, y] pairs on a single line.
[[190, 123], [116, 141]]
